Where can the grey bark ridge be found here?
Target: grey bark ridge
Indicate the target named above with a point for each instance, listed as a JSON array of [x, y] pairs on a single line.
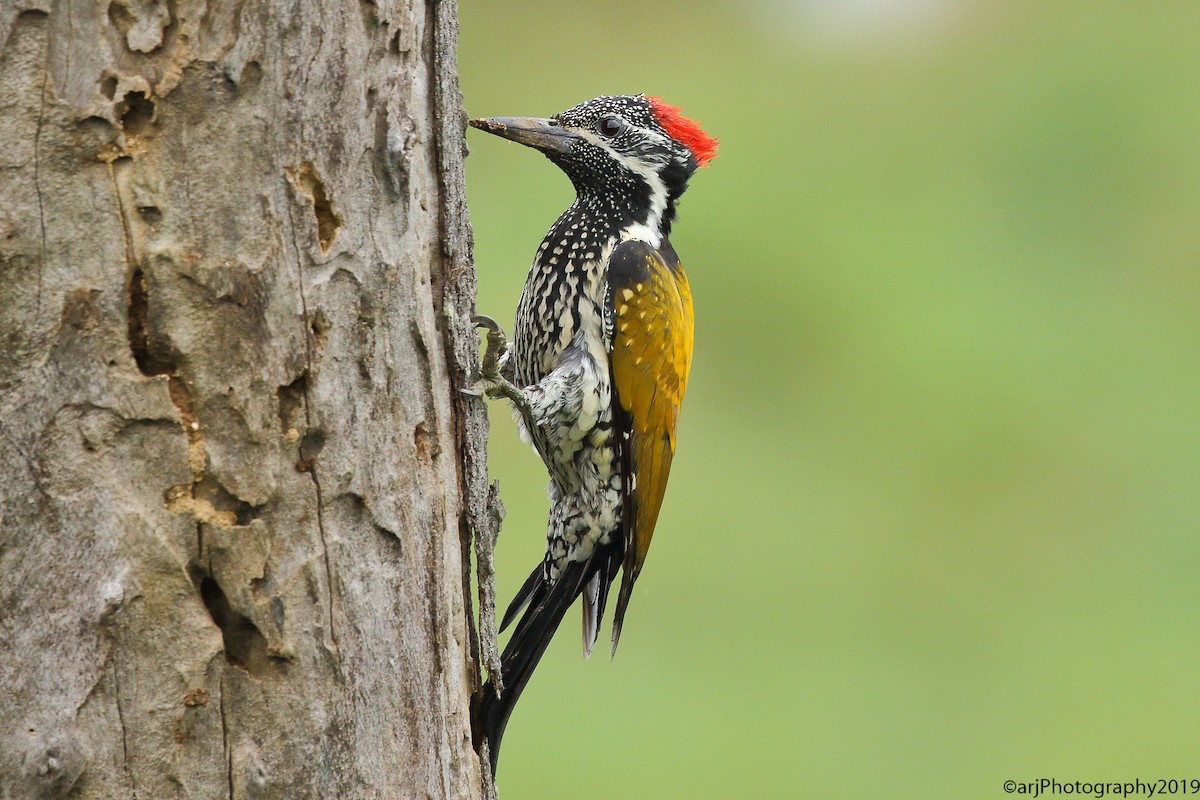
[[234, 524], [483, 512]]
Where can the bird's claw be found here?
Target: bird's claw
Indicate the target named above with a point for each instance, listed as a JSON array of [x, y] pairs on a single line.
[[484, 321], [497, 347], [492, 382]]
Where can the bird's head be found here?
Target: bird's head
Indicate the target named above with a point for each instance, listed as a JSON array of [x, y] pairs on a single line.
[[629, 154]]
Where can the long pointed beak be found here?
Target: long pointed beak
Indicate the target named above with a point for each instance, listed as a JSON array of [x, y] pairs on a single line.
[[543, 134]]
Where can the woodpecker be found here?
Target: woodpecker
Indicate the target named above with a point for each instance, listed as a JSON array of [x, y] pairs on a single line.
[[597, 366]]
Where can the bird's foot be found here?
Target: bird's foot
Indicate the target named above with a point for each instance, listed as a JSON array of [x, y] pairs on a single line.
[[492, 382], [497, 350]]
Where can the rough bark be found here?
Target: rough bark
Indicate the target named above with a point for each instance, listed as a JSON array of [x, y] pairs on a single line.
[[235, 291]]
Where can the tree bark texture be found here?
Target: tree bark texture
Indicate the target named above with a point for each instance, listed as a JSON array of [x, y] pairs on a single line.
[[235, 290]]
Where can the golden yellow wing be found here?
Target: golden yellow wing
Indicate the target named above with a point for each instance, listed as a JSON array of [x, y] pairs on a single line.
[[651, 307]]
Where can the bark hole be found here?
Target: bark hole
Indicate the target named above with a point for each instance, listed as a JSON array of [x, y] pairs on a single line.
[[150, 360], [310, 447], [309, 183], [137, 114], [245, 646], [319, 327], [328, 221], [291, 405]]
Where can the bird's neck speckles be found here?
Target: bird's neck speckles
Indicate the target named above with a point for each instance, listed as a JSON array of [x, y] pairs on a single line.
[[575, 240], [564, 292]]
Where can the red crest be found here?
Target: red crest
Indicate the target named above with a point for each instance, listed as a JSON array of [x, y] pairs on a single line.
[[684, 130]]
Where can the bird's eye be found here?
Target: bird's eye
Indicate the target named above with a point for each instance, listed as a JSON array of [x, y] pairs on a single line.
[[610, 126]]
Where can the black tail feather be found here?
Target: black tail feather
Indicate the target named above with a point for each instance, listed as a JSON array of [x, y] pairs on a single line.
[[595, 598], [548, 604], [530, 592], [623, 596]]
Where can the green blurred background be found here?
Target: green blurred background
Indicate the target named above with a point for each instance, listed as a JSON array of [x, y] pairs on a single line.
[[934, 520]]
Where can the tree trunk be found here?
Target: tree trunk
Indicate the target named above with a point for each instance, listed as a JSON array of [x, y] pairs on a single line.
[[234, 301]]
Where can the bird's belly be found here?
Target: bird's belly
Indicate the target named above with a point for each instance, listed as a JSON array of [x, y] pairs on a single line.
[[575, 435], [576, 441], [585, 509]]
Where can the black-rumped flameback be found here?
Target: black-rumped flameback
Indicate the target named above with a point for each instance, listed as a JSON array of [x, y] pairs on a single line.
[[597, 365]]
